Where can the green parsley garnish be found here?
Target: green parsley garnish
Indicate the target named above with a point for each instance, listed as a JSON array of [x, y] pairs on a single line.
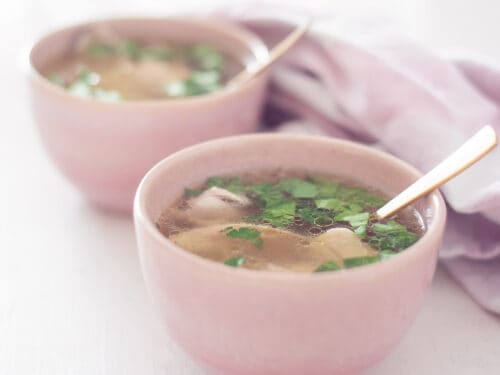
[[250, 234], [84, 86], [328, 266], [359, 197], [357, 221], [192, 192], [56, 78], [299, 188], [330, 204], [392, 236], [234, 184], [198, 83], [313, 215], [326, 187], [315, 204], [235, 262], [279, 214], [100, 50], [206, 57], [267, 193], [129, 48], [360, 261], [390, 228]]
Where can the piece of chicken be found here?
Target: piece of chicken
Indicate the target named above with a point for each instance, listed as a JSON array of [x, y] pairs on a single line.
[[213, 206], [344, 242], [216, 204], [281, 250], [138, 79]]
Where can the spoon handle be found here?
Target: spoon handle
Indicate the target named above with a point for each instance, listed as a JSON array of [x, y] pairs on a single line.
[[470, 152], [277, 51]]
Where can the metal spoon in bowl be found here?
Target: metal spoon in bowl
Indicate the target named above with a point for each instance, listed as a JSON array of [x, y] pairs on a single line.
[[277, 51], [466, 155]]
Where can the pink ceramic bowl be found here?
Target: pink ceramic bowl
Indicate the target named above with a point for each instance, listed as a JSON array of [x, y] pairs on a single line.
[[244, 322], [105, 148]]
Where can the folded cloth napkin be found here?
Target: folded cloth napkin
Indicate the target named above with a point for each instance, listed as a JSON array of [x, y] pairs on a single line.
[[371, 84]]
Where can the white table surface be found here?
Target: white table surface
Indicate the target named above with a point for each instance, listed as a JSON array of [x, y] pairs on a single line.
[[72, 300]]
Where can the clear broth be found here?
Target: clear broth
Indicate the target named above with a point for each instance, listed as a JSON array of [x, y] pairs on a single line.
[[329, 228], [132, 70]]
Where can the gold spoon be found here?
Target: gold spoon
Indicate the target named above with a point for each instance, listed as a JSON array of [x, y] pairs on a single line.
[[466, 155], [277, 51]]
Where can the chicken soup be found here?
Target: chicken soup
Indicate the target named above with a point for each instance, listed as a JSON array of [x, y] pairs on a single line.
[[287, 221], [119, 70]]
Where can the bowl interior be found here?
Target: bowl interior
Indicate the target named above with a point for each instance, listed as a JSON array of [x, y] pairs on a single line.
[[232, 40], [165, 183]]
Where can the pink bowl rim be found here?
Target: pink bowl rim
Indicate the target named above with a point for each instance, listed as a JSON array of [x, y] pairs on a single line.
[[256, 46], [435, 228]]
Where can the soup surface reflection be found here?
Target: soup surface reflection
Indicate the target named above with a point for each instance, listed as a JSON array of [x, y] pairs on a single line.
[[284, 221]]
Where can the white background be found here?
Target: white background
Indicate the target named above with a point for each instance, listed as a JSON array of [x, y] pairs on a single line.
[[72, 299]]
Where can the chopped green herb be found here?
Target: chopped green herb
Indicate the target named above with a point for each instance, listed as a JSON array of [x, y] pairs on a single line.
[[203, 62], [234, 184], [354, 207], [392, 236], [360, 261], [299, 188], [328, 266], [107, 95], [279, 214], [209, 79], [56, 78], [267, 193], [198, 83], [327, 188], [330, 204], [313, 206], [218, 181], [207, 57], [235, 262], [359, 196], [250, 234], [357, 221], [85, 86], [80, 89], [88, 77], [313, 215], [129, 48], [179, 88], [192, 192], [360, 231], [389, 228], [404, 240]]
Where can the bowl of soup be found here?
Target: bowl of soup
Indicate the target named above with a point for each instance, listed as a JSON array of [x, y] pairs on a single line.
[[263, 256], [113, 97]]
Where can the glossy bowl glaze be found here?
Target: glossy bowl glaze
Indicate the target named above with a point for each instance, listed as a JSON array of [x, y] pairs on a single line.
[[244, 322], [105, 148]]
